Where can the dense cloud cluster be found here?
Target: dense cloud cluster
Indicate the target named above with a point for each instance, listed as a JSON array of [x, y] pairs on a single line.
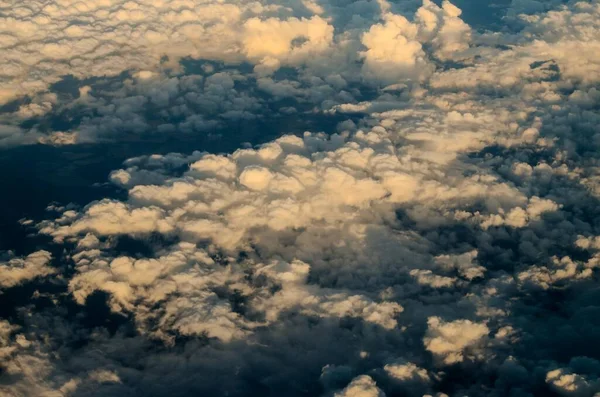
[[118, 69], [443, 240]]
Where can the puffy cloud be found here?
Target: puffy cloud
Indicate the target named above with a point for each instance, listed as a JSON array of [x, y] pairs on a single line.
[[395, 48], [448, 34], [408, 372], [22, 360], [426, 277], [293, 41], [465, 264], [109, 217], [559, 270], [362, 386], [454, 341], [27, 362], [568, 384], [15, 271], [393, 52], [519, 217]]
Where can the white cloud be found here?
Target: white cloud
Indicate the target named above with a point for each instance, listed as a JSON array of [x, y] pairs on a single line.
[[272, 41], [393, 52], [15, 271], [454, 341], [407, 372], [568, 384], [362, 386]]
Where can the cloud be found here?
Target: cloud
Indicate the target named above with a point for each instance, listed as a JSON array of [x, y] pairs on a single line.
[[362, 386], [393, 52], [395, 49], [570, 384], [408, 372], [15, 271], [441, 240], [274, 42], [452, 342]]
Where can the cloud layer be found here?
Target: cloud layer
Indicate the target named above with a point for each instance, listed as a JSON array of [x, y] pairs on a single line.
[[443, 240]]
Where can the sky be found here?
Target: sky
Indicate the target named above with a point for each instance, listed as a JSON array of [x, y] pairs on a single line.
[[329, 198]]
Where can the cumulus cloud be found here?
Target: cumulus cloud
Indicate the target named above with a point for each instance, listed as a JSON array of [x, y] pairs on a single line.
[[407, 372], [395, 49], [453, 341], [393, 52], [568, 384], [362, 386], [274, 42], [15, 271]]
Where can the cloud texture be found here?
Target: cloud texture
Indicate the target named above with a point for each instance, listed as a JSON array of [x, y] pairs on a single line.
[[443, 240]]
